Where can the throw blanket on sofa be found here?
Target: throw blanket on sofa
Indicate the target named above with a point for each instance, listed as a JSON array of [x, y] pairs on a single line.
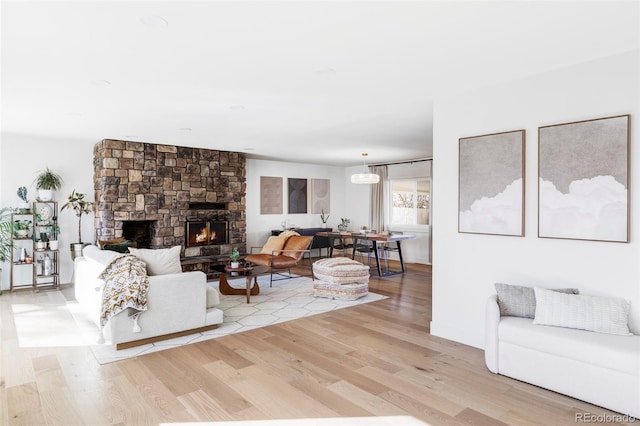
[[126, 286]]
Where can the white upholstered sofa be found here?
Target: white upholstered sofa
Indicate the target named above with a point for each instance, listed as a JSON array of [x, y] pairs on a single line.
[[596, 367], [177, 303]]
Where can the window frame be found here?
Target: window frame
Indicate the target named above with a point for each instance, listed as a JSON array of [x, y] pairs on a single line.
[[389, 205]]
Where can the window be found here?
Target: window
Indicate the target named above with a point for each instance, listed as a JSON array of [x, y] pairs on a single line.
[[410, 201]]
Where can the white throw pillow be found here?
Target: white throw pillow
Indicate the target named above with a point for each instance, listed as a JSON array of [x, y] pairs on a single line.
[[601, 314], [160, 261], [103, 257], [520, 301]]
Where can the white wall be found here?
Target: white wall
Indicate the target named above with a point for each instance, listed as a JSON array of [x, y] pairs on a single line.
[[21, 157], [466, 266], [356, 200]]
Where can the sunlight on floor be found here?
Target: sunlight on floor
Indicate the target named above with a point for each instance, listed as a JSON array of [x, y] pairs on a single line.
[[46, 325]]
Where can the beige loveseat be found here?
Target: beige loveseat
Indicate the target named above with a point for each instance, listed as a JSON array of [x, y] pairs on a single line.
[[177, 303]]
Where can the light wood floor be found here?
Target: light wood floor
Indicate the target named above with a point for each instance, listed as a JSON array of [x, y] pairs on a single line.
[[377, 359]]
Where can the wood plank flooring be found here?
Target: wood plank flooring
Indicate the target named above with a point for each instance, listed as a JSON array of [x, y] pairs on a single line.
[[376, 359]]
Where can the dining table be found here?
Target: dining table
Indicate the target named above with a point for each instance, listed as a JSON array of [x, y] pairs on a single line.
[[378, 242]]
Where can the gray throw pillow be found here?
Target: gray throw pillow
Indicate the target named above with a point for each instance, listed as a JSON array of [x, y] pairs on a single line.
[[520, 301]]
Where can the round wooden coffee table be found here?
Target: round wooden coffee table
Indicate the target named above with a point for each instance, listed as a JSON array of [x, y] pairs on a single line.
[[247, 272]]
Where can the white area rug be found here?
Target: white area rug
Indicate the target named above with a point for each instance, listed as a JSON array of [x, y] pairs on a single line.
[[53, 325]]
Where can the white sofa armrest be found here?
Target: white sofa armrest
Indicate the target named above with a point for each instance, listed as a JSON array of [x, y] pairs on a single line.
[[175, 302], [491, 322], [88, 287]]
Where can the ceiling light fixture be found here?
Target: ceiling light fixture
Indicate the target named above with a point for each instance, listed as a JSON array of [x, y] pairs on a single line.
[[365, 178]]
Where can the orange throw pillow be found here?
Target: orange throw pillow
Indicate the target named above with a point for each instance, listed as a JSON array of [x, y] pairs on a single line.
[[274, 243]]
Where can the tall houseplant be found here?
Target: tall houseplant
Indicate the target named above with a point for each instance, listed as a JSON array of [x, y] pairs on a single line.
[[80, 206], [47, 182], [6, 243], [6, 229]]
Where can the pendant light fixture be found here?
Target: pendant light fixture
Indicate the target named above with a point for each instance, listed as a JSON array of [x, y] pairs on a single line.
[[366, 177]]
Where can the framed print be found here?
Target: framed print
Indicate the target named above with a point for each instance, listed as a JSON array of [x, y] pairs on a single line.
[[270, 195], [320, 196], [491, 184], [297, 195], [583, 180]]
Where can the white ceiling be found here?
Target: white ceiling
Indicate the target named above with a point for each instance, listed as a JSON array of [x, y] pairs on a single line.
[[318, 82]]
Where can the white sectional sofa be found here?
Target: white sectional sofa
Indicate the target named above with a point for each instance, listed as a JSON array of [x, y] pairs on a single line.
[[602, 369], [177, 303]]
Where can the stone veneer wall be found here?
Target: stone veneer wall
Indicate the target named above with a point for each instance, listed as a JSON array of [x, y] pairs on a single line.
[[143, 181]]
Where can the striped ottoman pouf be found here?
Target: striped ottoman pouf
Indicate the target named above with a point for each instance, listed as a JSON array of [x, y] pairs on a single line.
[[340, 278]]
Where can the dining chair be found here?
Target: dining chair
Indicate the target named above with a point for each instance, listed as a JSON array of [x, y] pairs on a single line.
[[390, 247], [344, 246], [366, 248]]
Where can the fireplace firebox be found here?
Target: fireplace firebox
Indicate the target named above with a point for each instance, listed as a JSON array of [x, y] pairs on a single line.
[[138, 231], [203, 233]]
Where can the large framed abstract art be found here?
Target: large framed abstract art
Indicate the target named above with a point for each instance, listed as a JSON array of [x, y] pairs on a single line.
[[270, 195], [583, 180], [320, 196], [297, 195], [491, 184]]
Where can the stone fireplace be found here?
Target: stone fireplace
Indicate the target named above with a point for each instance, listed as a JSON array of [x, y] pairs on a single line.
[[150, 192]]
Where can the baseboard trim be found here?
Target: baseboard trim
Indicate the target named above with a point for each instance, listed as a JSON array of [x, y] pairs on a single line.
[[134, 343]]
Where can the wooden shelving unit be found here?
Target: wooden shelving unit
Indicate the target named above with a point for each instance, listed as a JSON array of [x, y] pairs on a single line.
[[44, 272]]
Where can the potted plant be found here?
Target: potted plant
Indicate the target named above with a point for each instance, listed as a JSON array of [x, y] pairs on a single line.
[[21, 228], [324, 219], [41, 243], [55, 231], [235, 258], [80, 206], [47, 182], [344, 224], [22, 194]]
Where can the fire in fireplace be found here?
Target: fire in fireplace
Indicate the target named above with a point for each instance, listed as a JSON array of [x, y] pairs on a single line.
[[203, 233]]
